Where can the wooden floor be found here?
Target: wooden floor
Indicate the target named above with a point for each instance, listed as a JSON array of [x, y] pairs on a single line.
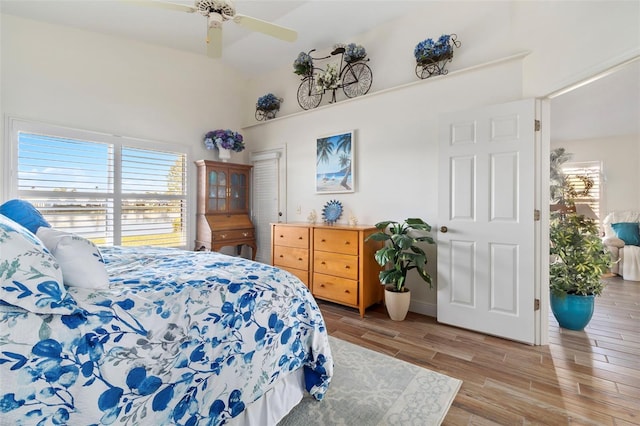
[[583, 378]]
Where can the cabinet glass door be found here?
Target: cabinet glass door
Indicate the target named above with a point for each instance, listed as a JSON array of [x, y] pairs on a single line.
[[217, 197], [238, 191]]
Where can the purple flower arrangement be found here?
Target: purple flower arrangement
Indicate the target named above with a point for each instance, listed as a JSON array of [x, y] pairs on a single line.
[[227, 139]]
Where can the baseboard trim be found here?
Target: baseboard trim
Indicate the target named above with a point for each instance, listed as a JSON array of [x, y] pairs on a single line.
[[424, 308]]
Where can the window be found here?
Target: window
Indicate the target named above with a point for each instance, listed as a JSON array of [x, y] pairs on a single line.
[[112, 190], [585, 182]]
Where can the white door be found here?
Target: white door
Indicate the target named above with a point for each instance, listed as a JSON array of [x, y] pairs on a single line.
[[486, 244], [267, 197]]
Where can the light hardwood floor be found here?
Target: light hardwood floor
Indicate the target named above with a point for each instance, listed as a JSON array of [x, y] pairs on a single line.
[[590, 377]]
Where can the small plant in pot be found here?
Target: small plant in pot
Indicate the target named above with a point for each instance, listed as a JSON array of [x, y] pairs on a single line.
[[401, 253]]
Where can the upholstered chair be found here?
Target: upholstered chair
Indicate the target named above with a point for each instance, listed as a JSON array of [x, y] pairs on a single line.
[[622, 239]]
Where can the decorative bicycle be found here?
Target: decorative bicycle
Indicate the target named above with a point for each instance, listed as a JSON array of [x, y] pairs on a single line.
[[354, 79]]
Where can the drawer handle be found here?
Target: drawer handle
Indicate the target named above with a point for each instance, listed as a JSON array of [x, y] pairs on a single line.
[[322, 263], [223, 236], [321, 285], [281, 236], [347, 267], [300, 259], [281, 256], [323, 240], [346, 291], [346, 243], [299, 238], [245, 234]]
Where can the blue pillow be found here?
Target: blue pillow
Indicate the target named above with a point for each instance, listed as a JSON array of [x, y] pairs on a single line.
[[24, 213], [627, 232]]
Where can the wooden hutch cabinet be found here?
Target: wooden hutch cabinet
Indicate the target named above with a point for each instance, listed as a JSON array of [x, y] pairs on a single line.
[[223, 206], [334, 261]]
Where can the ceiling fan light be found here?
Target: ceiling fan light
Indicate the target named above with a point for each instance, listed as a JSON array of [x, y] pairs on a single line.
[[215, 20]]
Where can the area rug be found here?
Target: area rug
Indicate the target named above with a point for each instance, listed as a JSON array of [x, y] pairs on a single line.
[[369, 388]]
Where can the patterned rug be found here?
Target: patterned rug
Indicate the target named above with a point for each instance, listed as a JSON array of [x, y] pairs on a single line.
[[369, 388]]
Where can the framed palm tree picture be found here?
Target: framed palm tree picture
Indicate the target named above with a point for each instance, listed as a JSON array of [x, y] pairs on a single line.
[[334, 163]]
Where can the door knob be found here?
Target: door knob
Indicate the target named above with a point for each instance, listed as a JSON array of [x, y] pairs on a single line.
[[443, 229]]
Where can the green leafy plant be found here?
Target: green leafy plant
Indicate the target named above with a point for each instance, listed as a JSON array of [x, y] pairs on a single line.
[[579, 257], [401, 251]]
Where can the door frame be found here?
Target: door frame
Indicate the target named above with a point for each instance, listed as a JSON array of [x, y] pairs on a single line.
[[546, 115]]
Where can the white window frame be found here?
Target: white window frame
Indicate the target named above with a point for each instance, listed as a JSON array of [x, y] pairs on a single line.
[[592, 169], [14, 126]]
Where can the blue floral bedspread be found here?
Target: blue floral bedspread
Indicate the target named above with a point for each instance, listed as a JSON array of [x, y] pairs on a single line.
[[178, 338]]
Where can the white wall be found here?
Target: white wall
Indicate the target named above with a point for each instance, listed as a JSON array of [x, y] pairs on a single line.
[[396, 150], [620, 157], [95, 82]]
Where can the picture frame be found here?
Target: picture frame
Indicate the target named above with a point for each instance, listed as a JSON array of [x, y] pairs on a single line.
[[335, 172]]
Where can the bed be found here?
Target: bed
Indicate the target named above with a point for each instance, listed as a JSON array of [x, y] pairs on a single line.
[[172, 337]]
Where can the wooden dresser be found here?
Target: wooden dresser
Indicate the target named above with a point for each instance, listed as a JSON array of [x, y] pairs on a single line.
[[332, 260], [223, 206]]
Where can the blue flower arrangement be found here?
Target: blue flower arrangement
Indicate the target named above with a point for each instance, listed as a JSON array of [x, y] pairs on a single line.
[[353, 52], [433, 51], [227, 139], [268, 102], [303, 64]]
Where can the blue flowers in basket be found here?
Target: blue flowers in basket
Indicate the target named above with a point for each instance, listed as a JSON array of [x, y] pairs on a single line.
[[432, 56], [354, 52], [268, 102], [303, 65], [429, 50]]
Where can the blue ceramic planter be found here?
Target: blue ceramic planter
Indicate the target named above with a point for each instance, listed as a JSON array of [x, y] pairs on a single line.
[[572, 312]]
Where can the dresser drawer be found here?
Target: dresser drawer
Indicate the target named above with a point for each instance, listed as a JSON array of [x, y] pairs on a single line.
[[340, 265], [336, 240], [337, 289], [291, 257], [291, 236], [232, 234]]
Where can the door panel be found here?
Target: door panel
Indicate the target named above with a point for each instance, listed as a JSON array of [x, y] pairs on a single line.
[[486, 200]]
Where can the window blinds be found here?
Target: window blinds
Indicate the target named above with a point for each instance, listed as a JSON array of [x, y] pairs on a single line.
[[584, 178], [110, 193]]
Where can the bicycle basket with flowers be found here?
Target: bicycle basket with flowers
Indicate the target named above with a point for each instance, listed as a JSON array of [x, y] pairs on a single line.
[[354, 53], [227, 139], [328, 79], [303, 65], [268, 102]]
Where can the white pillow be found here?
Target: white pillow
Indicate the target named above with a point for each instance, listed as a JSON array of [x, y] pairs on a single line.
[[81, 262]]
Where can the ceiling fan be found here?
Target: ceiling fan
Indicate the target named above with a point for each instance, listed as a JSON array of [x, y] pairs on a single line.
[[218, 11]]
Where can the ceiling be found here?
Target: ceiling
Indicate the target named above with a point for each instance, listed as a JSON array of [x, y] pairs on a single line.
[[317, 23], [609, 106]]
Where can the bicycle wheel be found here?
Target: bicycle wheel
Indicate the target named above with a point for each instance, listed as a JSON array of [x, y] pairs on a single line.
[[260, 115], [356, 79], [308, 95]]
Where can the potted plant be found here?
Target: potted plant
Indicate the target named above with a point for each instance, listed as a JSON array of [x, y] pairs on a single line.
[[578, 256], [401, 253], [224, 141]]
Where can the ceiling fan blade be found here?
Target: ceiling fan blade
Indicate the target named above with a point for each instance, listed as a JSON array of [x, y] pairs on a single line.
[[265, 27], [214, 42], [164, 5]]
